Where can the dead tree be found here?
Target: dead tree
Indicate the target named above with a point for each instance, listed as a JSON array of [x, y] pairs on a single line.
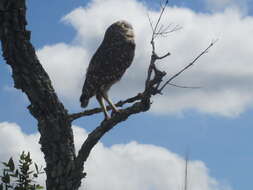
[[65, 168]]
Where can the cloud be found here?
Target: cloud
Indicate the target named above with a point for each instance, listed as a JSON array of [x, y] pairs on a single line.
[[13, 141], [127, 166], [64, 64], [225, 73]]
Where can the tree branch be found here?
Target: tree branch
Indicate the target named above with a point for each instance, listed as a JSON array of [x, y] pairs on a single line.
[[107, 125], [164, 56], [75, 116], [186, 67]]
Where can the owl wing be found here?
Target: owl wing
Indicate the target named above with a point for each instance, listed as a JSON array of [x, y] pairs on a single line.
[[109, 63], [97, 72], [107, 66]]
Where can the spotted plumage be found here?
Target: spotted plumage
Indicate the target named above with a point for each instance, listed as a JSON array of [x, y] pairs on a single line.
[[108, 64]]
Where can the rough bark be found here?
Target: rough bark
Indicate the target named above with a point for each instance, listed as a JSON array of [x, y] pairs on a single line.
[[53, 124]]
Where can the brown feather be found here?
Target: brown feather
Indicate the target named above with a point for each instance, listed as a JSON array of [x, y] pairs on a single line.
[[110, 61]]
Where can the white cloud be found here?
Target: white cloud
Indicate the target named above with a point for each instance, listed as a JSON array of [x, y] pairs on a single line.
[[64, 64], [17, 141], [131, 166], [13, 141], [225, 73]]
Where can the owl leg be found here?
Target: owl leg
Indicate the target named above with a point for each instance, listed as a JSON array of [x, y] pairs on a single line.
[[105, 96], [102, 104]]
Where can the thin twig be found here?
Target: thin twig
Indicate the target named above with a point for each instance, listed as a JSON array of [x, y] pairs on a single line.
[[189, 65], [164, 56], [166, 31], [159, 18], [180, 86], [150, 22]]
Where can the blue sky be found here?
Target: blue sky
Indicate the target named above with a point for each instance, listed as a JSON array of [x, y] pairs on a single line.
[[219, 138]]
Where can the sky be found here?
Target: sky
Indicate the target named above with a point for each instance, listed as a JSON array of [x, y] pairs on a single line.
[[213, 123]]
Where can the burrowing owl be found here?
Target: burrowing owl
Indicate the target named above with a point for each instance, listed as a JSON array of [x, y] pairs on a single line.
[[108, 64]]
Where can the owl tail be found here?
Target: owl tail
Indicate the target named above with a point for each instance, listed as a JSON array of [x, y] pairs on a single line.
[[84, 100]]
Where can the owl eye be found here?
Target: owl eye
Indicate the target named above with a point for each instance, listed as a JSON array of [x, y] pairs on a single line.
[[124, 25]]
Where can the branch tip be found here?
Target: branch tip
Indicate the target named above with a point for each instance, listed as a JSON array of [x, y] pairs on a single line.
[[187, 66]]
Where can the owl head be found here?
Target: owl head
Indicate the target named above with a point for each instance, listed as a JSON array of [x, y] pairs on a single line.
[[120, 29]]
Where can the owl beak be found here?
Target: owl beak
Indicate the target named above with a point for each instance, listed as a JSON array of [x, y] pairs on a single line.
[[130, 34]]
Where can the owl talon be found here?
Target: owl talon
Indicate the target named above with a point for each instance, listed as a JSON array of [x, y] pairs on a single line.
[[115, 112]]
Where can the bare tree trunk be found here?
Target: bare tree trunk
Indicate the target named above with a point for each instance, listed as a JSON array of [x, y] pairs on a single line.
[[53, 122]]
